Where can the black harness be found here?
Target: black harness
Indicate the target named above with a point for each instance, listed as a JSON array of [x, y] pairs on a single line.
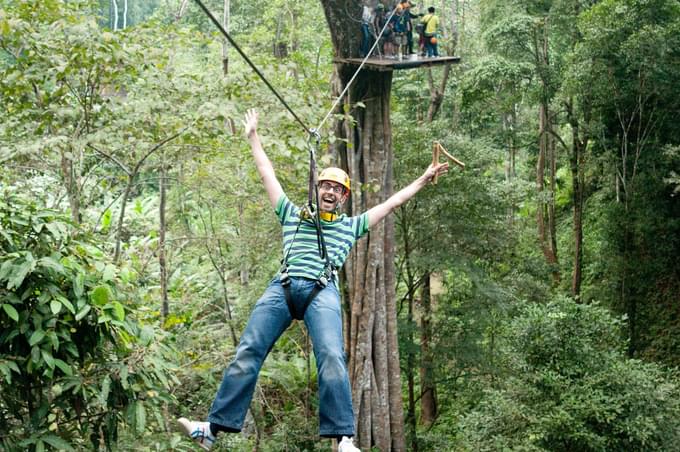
[[309, 213], [326, 276]]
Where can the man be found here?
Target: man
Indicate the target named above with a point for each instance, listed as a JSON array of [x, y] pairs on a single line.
[[387, 40], [399, 25], [431, 23], [406, 7], [287, 297], [367, 18]]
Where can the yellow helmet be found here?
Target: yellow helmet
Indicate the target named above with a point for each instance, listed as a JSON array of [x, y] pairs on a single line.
[[335, 175]]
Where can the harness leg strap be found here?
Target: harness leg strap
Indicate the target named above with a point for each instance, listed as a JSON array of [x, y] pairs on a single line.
[[312, 295], [291, 306]]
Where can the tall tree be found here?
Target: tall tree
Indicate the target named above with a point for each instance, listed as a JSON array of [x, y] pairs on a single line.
[[371, 326], [521, 30], [114, 15], [576, 98], [636, 85], [437, 89], [545, 210], [428, 387]]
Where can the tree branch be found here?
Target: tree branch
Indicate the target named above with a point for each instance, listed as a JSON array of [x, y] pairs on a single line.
[[159, 145], [112, 158]]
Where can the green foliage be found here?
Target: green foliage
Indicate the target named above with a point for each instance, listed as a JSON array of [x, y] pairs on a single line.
[[76, 362], [57, 64], [642, 247], [568, 386], [632, 48], [84, 106]]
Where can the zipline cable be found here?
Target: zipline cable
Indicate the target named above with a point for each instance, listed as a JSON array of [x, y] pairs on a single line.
[[250, 63], [311, 132], [314, 136], [356, 73]]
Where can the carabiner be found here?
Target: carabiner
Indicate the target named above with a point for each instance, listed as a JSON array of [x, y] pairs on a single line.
[[313, 133]]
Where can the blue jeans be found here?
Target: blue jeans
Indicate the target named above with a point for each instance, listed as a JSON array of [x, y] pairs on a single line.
[[430, 48], [269, 319], [365, 39]]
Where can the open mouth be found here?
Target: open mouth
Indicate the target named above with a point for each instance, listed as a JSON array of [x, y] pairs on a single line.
[[328, 200]]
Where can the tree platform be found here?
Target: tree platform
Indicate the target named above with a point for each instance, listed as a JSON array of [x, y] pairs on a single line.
[[391, 64]]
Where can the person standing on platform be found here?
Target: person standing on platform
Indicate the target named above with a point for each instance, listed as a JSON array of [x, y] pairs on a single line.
[[367, 19], [405, 6], [431, 24], [376, 27]]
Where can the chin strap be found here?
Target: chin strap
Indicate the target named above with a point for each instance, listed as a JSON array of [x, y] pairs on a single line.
[[328, 216]]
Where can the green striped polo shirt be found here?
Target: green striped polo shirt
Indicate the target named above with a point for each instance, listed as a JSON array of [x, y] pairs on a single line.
[[304, 259]]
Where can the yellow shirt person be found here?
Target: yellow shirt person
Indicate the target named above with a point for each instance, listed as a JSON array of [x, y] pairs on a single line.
[[431, 22]]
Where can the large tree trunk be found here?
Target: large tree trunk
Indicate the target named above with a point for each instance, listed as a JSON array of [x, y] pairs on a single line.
[[373, 347], [410, 375], [546, 157], [411, 355], [371, 327], [578, 149], [428, 394], [544, 210]]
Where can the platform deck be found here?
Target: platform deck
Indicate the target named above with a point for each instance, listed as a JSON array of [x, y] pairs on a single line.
[[391, 64]]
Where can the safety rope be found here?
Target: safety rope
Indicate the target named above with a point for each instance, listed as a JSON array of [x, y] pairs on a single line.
[[313, 194], [312, 211], [313, 198], [356, 73], [310, 132]]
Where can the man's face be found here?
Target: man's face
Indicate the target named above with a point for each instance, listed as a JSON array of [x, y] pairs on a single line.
[[330, 194]]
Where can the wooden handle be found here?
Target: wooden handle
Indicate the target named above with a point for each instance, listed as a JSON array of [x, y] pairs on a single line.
[[435, 158], [450, 157]]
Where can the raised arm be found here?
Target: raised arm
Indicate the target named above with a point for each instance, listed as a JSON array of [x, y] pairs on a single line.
[[377, 213], [264, 166]]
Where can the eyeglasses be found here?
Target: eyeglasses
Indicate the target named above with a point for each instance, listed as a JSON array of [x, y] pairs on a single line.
[[327, 186]]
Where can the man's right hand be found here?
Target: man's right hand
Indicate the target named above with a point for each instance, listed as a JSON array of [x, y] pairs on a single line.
[[264, 166], [250, 122]]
